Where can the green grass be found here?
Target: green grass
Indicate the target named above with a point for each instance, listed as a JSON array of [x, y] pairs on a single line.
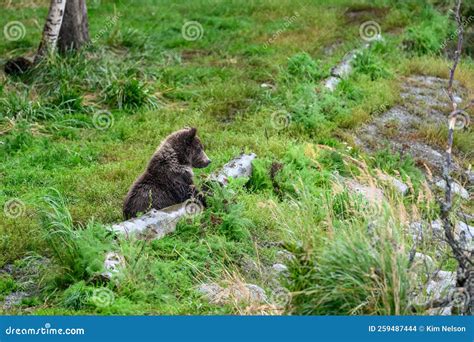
[[72, 173]]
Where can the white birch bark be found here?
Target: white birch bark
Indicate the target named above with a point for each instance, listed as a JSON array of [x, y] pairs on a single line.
[[51, 28]]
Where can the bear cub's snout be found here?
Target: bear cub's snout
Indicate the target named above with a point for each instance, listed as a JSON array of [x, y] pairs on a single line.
[[168, 178]]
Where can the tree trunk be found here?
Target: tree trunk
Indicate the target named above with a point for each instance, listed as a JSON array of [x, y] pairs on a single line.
[[51, 28], [75, 28]]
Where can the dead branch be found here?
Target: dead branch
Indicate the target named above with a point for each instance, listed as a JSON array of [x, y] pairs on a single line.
[[465, 274]]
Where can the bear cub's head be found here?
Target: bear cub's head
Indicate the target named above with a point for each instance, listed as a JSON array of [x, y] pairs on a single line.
[[189, 149]]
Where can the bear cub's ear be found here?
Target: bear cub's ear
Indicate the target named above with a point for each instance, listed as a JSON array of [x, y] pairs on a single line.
[[191, 133]]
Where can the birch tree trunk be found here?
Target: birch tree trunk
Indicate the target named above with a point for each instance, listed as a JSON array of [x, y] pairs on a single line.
[[51, 28], [74, 31]]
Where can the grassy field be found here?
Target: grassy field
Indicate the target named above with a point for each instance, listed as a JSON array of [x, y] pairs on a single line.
[[76, 131]]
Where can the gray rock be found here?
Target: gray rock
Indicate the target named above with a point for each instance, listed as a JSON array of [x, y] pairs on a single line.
[[14, 299], [423, 264], [235, 293], [437, 228], [279, 268], [284, 256], [415, 229], [370, 193], [113, 263], [463, 228], [465, 233], [446, 311], [210, 290], [470, 176], [455, 188], [398, 185]]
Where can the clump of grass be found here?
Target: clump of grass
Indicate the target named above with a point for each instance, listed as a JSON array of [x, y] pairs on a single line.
[[128, 38], [260, 178], [7, 285], [376, 281], [129, 94], [303, 67], [20, 138], [428, 35], [78, 250], [369, 64], [68, 99], [395, 164]]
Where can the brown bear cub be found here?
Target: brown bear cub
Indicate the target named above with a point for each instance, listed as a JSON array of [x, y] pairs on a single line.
[[168, 178]]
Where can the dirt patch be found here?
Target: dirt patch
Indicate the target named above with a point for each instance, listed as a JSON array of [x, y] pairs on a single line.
[[424, 103], [359, 14], [189, 55]]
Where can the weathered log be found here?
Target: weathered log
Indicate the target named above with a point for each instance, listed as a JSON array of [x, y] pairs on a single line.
[[344, 68]]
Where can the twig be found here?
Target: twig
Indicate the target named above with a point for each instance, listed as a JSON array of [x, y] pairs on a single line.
[[465, 274]]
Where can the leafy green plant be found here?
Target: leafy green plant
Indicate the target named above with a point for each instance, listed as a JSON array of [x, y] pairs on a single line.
[[77, 296], [260, 178], [228, 215], [7, 285]]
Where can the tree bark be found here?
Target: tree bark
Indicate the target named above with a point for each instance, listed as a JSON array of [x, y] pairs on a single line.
[[51, 28], [75, 28]]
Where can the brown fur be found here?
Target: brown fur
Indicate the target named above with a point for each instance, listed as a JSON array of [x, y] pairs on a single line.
[[168, 178]]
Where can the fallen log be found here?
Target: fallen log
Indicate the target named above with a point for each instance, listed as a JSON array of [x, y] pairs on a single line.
[[344, 68]]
